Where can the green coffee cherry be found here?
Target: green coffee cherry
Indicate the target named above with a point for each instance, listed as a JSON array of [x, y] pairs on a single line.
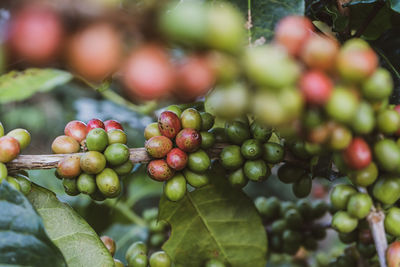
[[13, 182], [151, 130], [279, 226], [175, 188], [86, 183], [1, 130], [156, 240], [359, 205], [251, 149], [388, 121], [199, 161], [343, 222], [302, 187], [340, 196], [97, 196], [256, 170], [191, 118], [378, 86], [150, 214], [387, 190], [348, 238], [214, 263], [70, 187], [231, 157], [97, 140], [268, 207], [293, 218], [319, 208], [23, 137], [139, 260], [117, 154], [3, 172], [207, 121], [364, 119], [175, 109], [160, 259], [289, 173], [237, 132], [237, 178], [273, 152], [260, 132], [342, 105], [219, 134], [24, 183], [207, 140], [364, 177], [108, 183], [387, 155], [124, 168], [305, 209], [135, 249], [92, 162], [116, 136], [156, 226], [118, 263], [195, 179], [392, 221]]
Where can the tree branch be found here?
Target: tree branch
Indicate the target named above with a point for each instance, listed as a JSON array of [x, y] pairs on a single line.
[[375, 220]]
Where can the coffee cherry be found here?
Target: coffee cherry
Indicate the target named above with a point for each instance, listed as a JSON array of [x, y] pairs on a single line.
[[70, 187], [269, 208], [24, 183], [237, 178], [93, 162], [158, 146], [112, 124], [9, 148], [260, 132], [273, 152], [319, 52], [364, 177], [340, 137], [289, 174], [231, 157], [319, 208], [388, 121], [175, 188], [97, 140], [13, 183], [302, 187], [378, 86], [139, 260], [196, 179], [199, 161], [256, 170], [109, 243], [175, 109], [358, 154], [137, 248], [116, 154], [364, 119], [348, 238], [77, 130], [191, 118], [160, 259], [251, 149], [116, 136], [94, 52], [393, 254], [124, 168], [237, 132], [316, 87], [142, 66], [159, 170], [69, 167], [195, 77], [65, 145], [292, 32], [343, 222], [356, 60], [392, 221], [93, 124], [118, 263], [387, 190], [177, 159], [214, 263], [219, 134], [169, 124], [387, 155], [23, 137], [151, 130], [207, 120], [342, 105], [86, 183], [36, 34], [157, 226], [108, 183], [359, 205], [97, 196], [207, 140], [340, 196], [189, 140]]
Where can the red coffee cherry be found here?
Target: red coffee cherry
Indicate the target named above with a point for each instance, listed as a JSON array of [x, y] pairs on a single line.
[[393, 254], [77, 130], [69, 167], [189, 140], [112, 124], [148, 73], [319, 52], [9, 148], [65, 145], [158, 146], [292, 32], [316, 87], [159, 170], [36, 34], [358, 154], [93, 124], [177, 159], [169, 124]]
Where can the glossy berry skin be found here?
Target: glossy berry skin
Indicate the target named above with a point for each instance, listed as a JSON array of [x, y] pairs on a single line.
[[359, 205], [94, 123], [319, 52], [141, 68], [392, 221], [387, 190], [158, 146], [65, 145], [393, 254], [191, 118], [151, 130], [343, 222], [177, 159], [116, 154], [387, 155], [189, 140], [77, 130], [97, 140], [199, 161], [112, 124], [159, 170], [69, 167], [9, 149], [116, 136], [23, 137], [86, 183], [109, 243], [93, 162], [36, 34], [160, 259], [175, 188], [358, 154], [108, 183], [292, 32], [340, 196], [316, 87], [169, 124]]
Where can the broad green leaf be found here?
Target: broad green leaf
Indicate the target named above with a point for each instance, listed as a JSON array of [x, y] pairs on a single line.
[[266, 13], [23, 239], [77, 241], [140, 186], [20, 85], [214, 222], [395, 5]]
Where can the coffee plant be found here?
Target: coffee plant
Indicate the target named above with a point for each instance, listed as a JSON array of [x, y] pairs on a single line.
[[199, 133]]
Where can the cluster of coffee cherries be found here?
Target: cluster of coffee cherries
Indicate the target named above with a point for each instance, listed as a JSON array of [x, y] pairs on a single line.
[[11, 145], [178, 140], [158, 230], [136, 256], [292, 225], [106, 157], [109, 243]]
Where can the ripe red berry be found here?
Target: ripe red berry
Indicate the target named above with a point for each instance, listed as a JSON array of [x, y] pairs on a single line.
[[358, 154], [9, 148], [169, 124], [316, 87], [36, 34], [148, 73], [112, 124], [189, 140], [93, 124], [292, 32], [393, 254], [319, 52], [77, 130], [159, 170], [158, 146], [177, 159], [195, 77]]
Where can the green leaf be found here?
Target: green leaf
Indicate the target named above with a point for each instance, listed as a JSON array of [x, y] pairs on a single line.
[[23, 239], [77, 241], [395, 5], [214, 222], [266, 13], [20, 85]]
